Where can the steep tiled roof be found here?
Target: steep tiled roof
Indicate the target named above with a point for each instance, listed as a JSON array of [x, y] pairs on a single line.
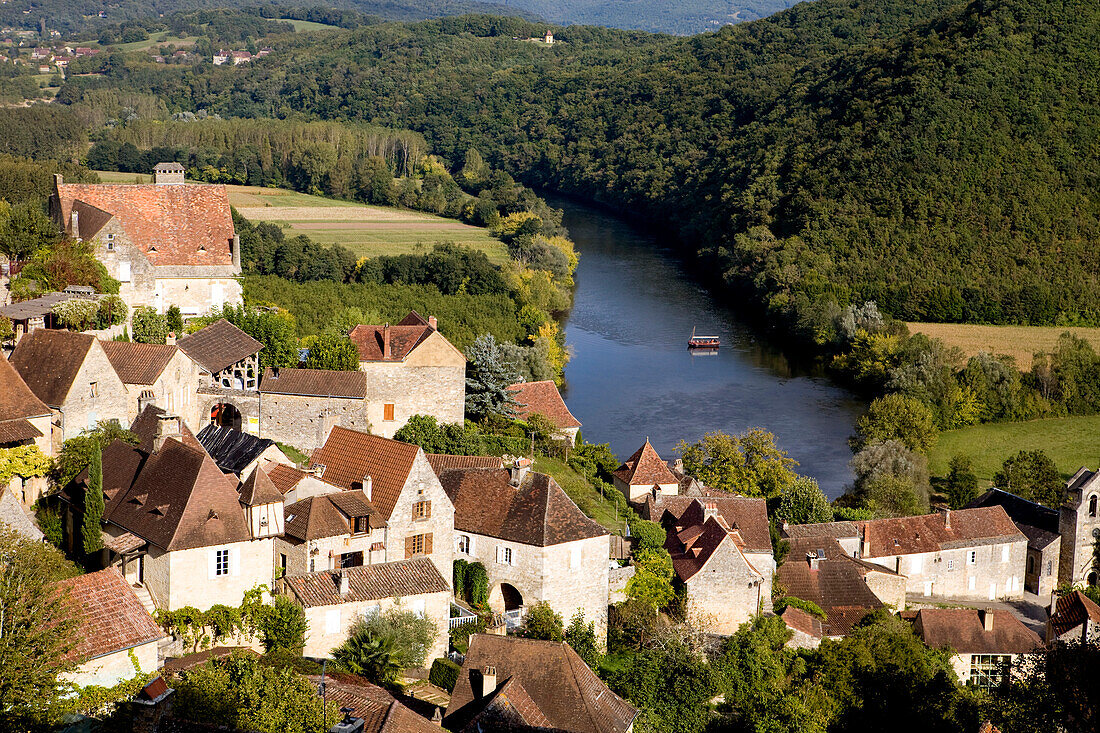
[[1038, 523], [692, 547], [403, 338], [258, 489], [537, 512], [172, 224], [507, 708], [543, 398], [381, 713], [315, 383], [328, 515], [49, 360], [749, 516], [219, 345], [961, 629], [138, 363], [15, 517], [232, 449], [557, 682], [17, 401], [929, 532], [285, 477], [348, 456], [1071, 610], [821, 529], [799, 620], [400, 579], [645, 468], [17, 431], [441, 462], [110, 616]]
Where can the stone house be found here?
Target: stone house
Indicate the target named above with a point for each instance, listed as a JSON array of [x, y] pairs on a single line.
[[722, 554], [167, 243], [973, 554], [1079, 525], [644, 473], [807, 630], [238, 453], [533, 541], [111, 623], [331, 531], [1040, 525], [985, 644], [335, 600], [158, 374], [71, 373], [511, 683], [178, 526], [543, 398], [1074, 617], [24, 418], [229, 376], [401, 486], [411, 369], [299, 406]]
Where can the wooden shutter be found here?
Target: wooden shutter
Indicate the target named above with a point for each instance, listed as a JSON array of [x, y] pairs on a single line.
[[428, 543], [387, 412], [428, 510], [409, 546]]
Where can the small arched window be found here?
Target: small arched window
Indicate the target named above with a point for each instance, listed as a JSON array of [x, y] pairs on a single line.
[[1092, 506], [464, 544]]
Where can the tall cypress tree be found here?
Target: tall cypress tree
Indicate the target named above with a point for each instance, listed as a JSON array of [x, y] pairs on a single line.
[[93, 505]]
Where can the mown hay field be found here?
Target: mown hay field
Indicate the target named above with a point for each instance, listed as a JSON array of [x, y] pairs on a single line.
[[1019, 342]]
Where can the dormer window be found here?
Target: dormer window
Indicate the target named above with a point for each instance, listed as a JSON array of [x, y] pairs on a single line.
[[202, 248], [361, 525]]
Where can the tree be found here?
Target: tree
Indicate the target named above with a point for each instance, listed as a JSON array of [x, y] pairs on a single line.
[[750, 463], [173, 318], [329, 351], [148, 326], [369, 655], [1032, 475], [76, 453], [382, 644], [542, 622], [487, 379], [896, 417], [77, 314], [650, 535], [803, 502], [671, 683], [961, 485], [282, 626], [91, 527], [582, 637], [275, 329], [36, 630], [24, 230], [112, 311], [891, 480], [890, 495], [652, 579]]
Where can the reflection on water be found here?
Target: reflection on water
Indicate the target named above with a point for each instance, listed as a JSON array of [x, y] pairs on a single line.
[[632, 375]]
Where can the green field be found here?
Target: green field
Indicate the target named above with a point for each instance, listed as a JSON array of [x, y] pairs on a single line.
[[161, 38], [117, 177], [606, 511], [309, 25], [1071, 442]]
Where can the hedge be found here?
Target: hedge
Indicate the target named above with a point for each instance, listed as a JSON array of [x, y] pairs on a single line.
[[444, 673]]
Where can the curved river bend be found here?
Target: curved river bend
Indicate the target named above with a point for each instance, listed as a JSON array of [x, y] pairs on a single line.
[[631, 375]]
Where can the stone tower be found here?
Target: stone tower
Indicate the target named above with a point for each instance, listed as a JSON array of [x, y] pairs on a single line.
[[1079, 525]]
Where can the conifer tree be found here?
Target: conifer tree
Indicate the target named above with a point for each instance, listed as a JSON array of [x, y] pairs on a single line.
[[93, 506]]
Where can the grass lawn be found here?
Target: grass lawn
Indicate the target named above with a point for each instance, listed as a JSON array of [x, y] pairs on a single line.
[[157, 39], [1071, 442], [1020, 342], [309, 25], [604, 511]]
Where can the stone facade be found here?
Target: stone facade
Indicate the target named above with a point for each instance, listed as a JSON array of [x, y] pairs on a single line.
[[402, 525], [329, 625], [173, 391], [187, 577], [293, 557], [110, 669], [96, 394], [245, 402], [888, 588], [1041, 573], [979, 572], [1079, 525], [729, 590], [305, 421]]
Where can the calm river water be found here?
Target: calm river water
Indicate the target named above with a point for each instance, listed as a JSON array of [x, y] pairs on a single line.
[[631, 375]]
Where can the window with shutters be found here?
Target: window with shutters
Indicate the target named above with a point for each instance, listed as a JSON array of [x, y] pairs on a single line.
[[971, 557], [420, 544], [422, 510], [387, 411], [505, 556], [221, 562]]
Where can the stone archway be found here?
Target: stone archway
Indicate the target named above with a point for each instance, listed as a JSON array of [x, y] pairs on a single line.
[[505, 597], [226, 415]]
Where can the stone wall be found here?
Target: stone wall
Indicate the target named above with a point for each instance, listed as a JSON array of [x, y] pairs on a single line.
[[305, 422], [423, 484], [996, 571], [84, 407], [251, 564], [247, 402], [196, 296], [617, 579], [888, 588], [727, 591], [1041, 573], [111, 669], [328, 551], [1077, 527], [173, 391]]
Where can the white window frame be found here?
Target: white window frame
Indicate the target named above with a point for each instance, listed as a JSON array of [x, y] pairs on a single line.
[[469, 544], [124, 274], [916, 564], [1004, 552], [418, 607], [950, 564], [971, 557], [574, 558], [505, 555], [222, 561]]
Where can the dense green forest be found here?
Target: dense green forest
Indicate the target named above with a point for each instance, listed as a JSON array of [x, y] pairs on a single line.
[[660, 16]]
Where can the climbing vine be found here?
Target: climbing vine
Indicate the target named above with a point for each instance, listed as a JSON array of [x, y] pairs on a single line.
[[98, 700], [203, 629]]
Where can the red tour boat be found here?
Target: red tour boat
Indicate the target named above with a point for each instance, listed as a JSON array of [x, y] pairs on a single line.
[[703, 342]]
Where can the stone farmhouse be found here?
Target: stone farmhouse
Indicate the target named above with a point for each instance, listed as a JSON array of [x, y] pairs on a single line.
[[24, 418], [300, 406], [411, 370], [70, 372], [1079, 524], [158, 374], [644, 473], [335, 600], [111, 623], [1040, 525], [722, 554], [339, 529], [1073, 617], [229, 375], [975, 554], [400, 484], [532, 539], [165, 242], [986, 644], [510, 683], [543, 398]]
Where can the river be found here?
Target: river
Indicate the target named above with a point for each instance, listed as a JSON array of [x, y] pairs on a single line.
[[631, 375]]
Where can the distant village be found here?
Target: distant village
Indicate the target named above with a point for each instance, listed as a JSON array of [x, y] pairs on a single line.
[[290, 480]]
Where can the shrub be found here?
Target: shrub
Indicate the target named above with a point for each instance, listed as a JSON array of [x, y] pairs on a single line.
[[459, 577], [477, 585], [149, 327], [808, 606], [650, 535], [282, 626], [444, 674], [542, 622]]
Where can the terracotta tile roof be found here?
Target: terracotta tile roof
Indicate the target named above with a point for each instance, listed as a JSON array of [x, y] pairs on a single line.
[[328, 515], [402, 339], [232, 450], [1038, 523], [380, 711], [961, 629], [109, 614], [441, 462], [543, 398], [285, 477], [558, 683], [138, 363], [749, 516], [349, 456], [315, 383], [692, 547], [49, 360], [17, 401], [537, 512], [258, 489], [799, 620], [821, 529], [17, 431], [507, 708], [1071, 610], [929, 532], [401, 579], [179, 500], [219, 345], [645, 468], [171, 224]]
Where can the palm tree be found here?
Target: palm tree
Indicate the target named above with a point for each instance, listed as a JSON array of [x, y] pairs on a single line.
[[369, 655]]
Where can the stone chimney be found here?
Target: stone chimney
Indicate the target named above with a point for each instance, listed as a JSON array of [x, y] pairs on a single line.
[[432, 322], [386, 341], [168, 426], [74, 224], [235, 251], [812, 560], [488, 680], [520, 469], [345, 583], [275, 372], [986, 615], [947, 519], [171, 339], [145, 399], [710, 510], [58, 180], [368, 485]]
